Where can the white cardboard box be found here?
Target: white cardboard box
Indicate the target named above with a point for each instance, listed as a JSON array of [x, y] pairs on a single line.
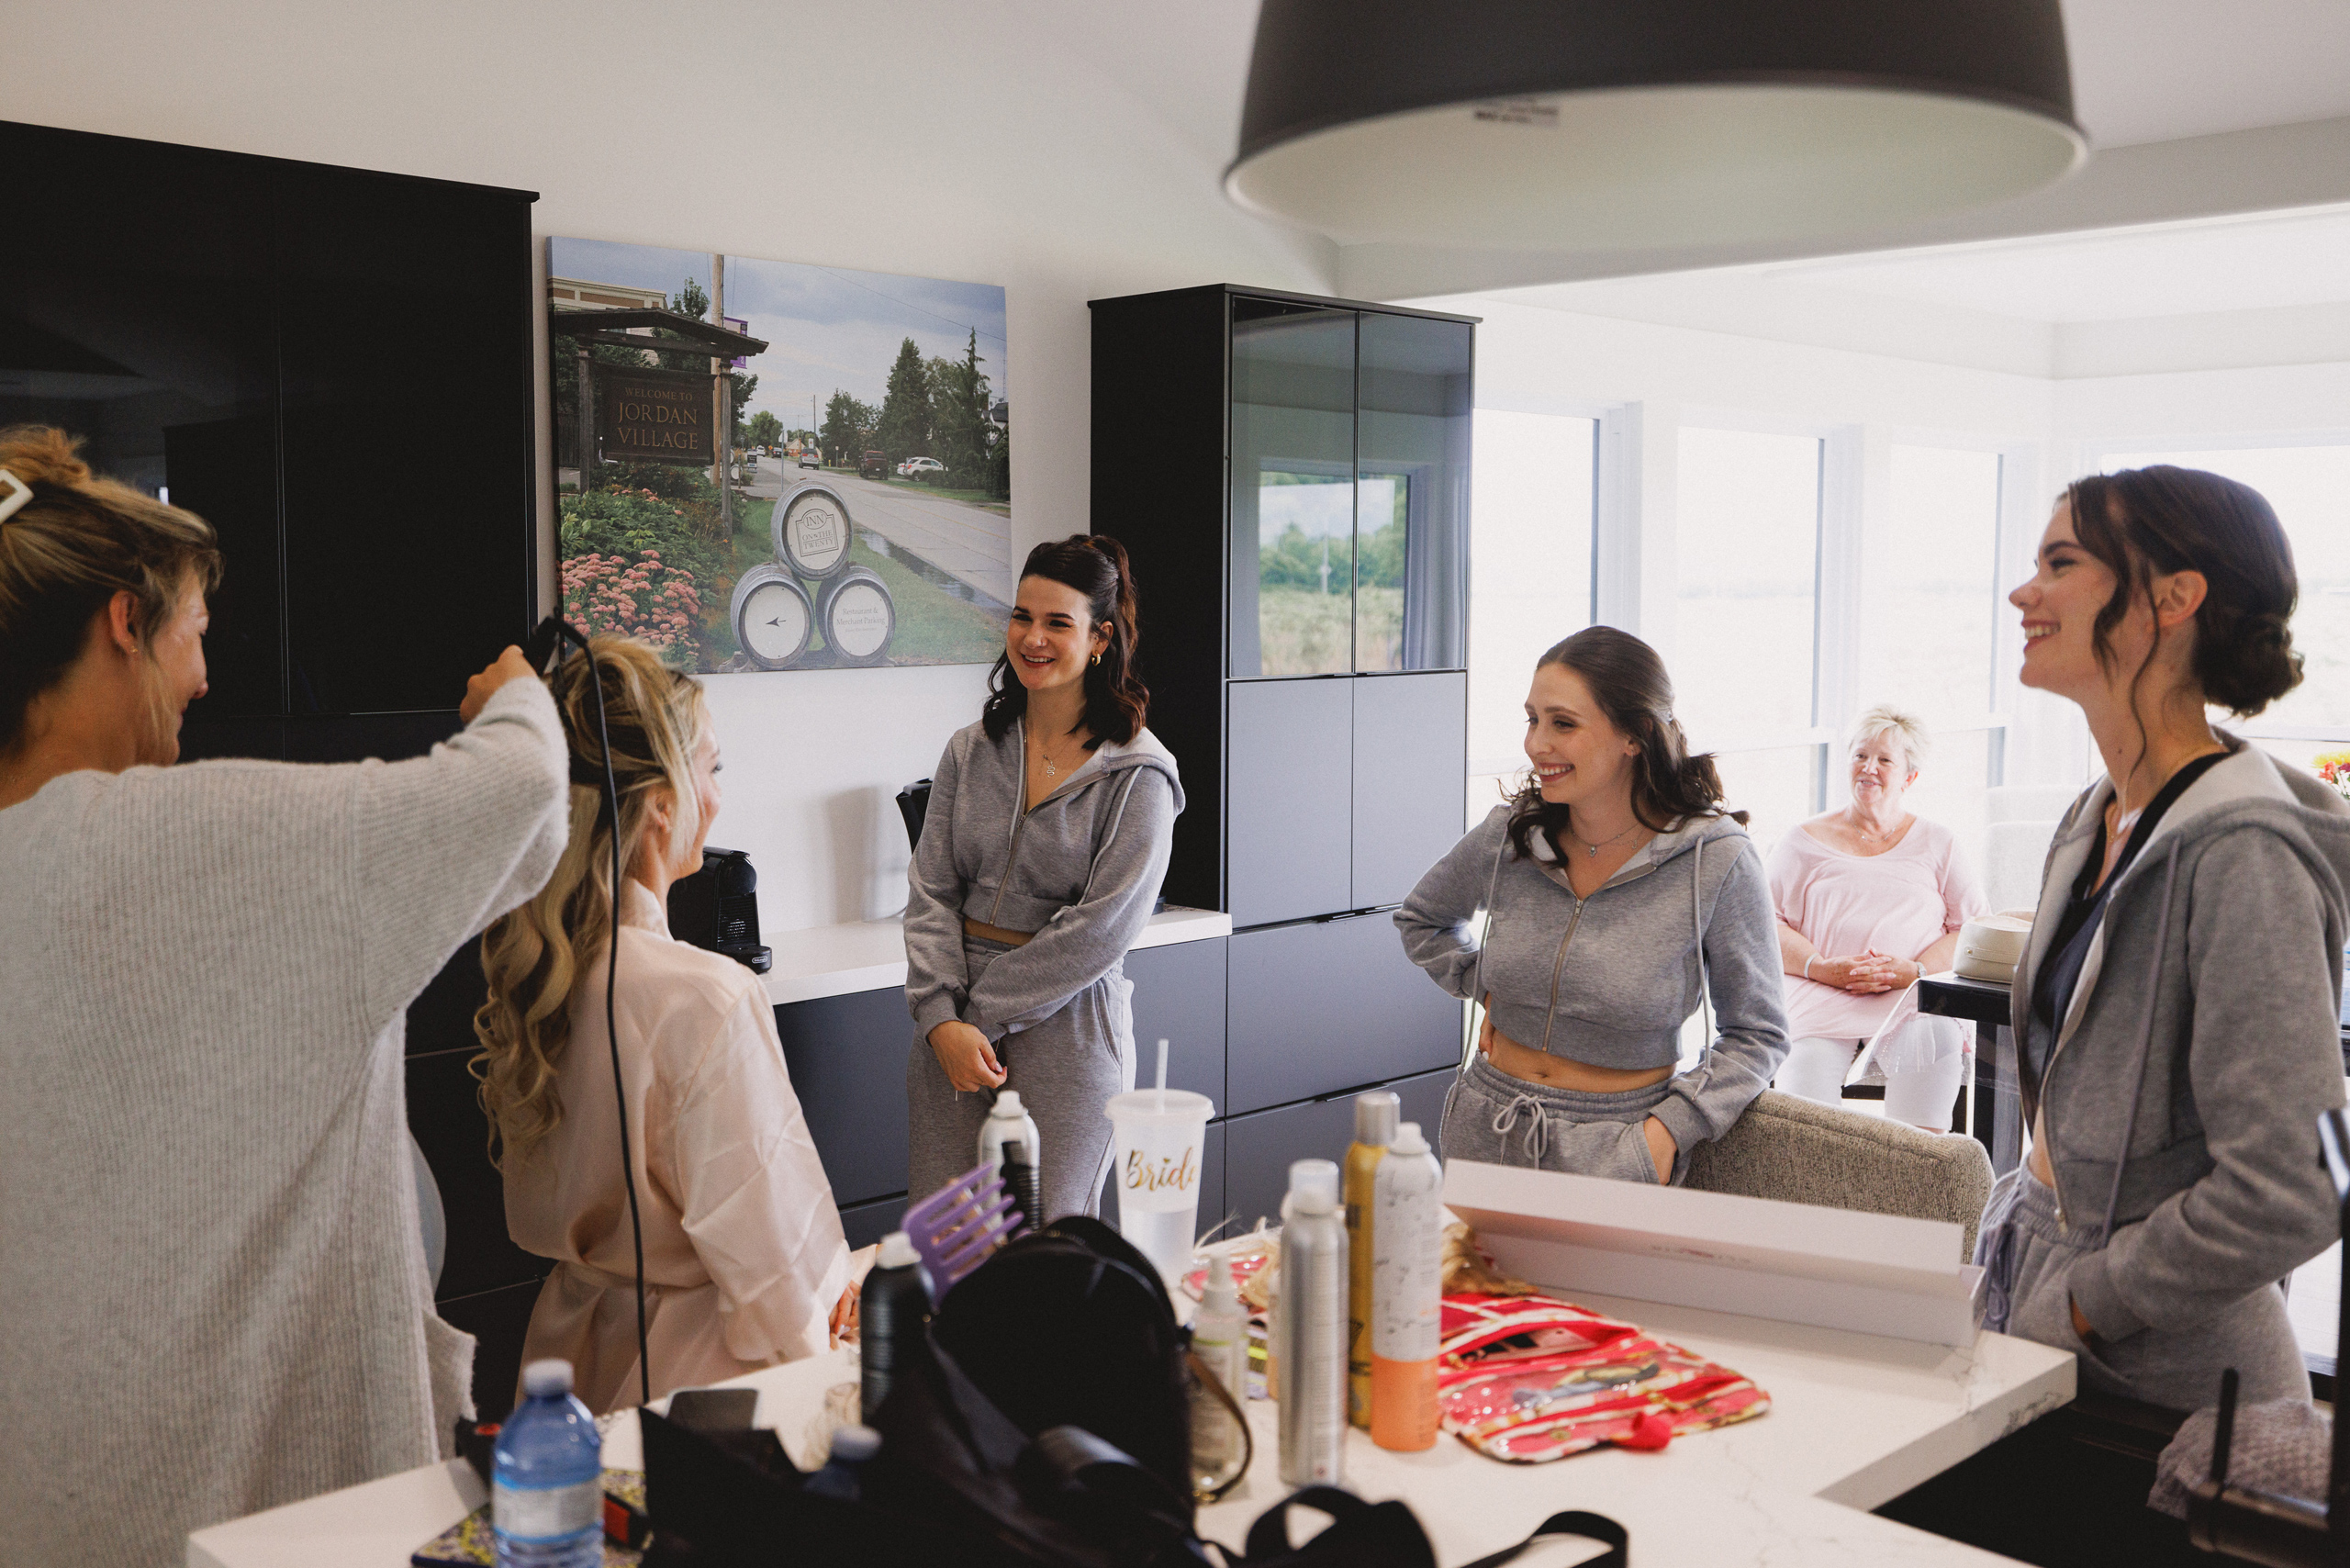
[[1794, 1263]]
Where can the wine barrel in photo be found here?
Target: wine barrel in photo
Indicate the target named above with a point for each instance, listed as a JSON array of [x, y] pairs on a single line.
[[859, 617], [772, 617], [813, 532]]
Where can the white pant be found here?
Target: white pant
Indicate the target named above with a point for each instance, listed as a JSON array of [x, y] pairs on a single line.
[[1922, 1096]]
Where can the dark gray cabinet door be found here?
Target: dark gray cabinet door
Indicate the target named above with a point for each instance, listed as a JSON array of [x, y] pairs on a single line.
[[1179, 997], [847, 1056], [1257, 1149], [1410, 761], [1289, 798], [1326, 1006]]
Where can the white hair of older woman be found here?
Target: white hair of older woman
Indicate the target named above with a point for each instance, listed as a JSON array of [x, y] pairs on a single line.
[[1908, 730]]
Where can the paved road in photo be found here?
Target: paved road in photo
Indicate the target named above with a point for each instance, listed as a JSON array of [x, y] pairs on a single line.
[[969, 543]]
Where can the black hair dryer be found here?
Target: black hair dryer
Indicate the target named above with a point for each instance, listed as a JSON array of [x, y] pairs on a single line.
[[717, 907]]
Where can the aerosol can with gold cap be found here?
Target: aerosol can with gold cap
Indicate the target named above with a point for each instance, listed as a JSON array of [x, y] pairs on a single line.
[[1375, 1116]]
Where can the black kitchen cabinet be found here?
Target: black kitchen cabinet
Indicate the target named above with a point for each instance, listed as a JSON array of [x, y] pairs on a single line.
[[1258, 1148], [847, 1057], [1179, 998], [1330, 1005], [1305, 522], [1410, 765], [333, 367], [1288, 781]]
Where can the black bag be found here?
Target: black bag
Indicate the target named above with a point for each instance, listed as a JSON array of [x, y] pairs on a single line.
[[1042, 1422]]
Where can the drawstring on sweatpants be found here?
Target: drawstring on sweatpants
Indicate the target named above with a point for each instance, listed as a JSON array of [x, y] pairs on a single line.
[[1538, 1135]]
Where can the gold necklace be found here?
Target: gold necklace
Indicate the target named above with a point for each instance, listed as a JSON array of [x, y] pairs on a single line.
[[1045, 755]]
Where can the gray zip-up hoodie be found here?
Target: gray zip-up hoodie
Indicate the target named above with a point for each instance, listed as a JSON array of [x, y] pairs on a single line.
[[1607, 981], [2213, 987], [1082, 871]]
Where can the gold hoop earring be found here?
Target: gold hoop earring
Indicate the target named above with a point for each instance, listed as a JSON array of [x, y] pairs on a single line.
[[1097, 659]]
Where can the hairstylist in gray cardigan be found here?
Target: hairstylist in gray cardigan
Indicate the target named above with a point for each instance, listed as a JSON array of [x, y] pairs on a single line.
[[2177, 998], [1618, 895], [210, 1271], [1047, 835]]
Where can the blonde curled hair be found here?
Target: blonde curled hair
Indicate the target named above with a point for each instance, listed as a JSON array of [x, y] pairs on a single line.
[[63, 556], [536, 956]]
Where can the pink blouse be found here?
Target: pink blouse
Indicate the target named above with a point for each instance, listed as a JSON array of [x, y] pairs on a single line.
[[1899, 902]]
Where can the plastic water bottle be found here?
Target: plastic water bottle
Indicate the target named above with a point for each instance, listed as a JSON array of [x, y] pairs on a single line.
[[546, 1497], [895, 1305], [840, 1478]]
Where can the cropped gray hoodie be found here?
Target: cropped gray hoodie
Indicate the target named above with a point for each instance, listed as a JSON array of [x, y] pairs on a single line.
[[1082, 871], [1609, 980], [2201, 1046]]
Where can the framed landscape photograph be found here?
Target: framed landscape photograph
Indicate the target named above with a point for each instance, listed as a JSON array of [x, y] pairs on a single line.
[[766, 464]]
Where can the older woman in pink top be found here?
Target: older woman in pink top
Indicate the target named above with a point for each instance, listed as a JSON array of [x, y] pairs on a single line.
[[1870, 900]]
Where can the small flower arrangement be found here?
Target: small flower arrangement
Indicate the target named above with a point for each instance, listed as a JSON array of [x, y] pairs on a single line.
[[2334, 767]]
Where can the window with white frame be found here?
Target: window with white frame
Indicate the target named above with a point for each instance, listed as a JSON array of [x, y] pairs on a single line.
[[2309, 484], [1530, 568], [1744, 644], [1931, 601]]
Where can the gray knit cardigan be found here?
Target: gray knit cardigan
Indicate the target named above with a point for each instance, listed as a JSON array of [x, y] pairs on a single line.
[[212, 1286]]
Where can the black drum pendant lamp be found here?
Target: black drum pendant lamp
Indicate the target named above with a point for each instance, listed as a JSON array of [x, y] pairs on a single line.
[[1612, 124]]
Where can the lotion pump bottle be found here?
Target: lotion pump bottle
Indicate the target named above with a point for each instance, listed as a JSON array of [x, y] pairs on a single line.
[[1010, 1120]]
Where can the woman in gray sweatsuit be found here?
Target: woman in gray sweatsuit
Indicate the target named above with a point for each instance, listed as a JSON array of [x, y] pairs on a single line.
[[1616, 898], [2177, 1005], [1041, 856]]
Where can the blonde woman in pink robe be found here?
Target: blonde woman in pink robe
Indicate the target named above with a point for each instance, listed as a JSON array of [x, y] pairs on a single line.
[[745, 1262]]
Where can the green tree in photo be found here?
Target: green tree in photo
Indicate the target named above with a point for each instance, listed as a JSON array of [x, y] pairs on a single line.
[[848, 426], [904, 428], [762, 429], [693, 301], [958, 406]]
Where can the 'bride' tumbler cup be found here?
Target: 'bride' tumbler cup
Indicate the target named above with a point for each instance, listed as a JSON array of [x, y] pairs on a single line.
[[1158, 1137]]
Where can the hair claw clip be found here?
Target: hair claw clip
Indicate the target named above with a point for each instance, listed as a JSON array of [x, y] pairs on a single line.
[[18, 494]]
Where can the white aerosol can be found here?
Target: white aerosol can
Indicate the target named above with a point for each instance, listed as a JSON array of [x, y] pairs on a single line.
[[1406, 1294], [1008, 1120], [1313, 1323]]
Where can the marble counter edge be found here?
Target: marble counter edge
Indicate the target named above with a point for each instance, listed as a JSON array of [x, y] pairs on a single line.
[[870, 955]]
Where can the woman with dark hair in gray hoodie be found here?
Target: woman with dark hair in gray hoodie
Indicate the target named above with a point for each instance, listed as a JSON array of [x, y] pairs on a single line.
[[2177, 1005], [1047, 835], [1619, 897]]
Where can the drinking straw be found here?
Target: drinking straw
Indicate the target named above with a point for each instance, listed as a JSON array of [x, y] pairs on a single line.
[[1162, 1076]]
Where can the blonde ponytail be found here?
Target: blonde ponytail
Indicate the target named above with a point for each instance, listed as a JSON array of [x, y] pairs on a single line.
[[536, 956]]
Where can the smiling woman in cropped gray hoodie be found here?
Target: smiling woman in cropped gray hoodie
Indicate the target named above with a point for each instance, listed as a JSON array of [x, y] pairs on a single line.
[[1617, 897], [1047, 835], [2177, 1005]]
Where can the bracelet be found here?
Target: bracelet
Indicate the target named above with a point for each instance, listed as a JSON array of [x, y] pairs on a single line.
[[1807, 966]]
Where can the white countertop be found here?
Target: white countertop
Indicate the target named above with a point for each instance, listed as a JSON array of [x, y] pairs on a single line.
[[870, 955], [1855, 1421]]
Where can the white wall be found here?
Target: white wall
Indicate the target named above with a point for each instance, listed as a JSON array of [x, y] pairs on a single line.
[[930, 137]]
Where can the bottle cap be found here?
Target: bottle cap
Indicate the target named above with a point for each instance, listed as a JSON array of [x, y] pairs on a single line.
[[1222, 1296], [1375, 1116], [854, 1444], [543, 1380], [898, 1251], [1408, 1141], [1007, 1104], [1312, 1186]]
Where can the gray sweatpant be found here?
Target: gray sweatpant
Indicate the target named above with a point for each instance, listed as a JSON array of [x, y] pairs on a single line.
[[2025, 1257], [1066, 1070], [1495, 1119]]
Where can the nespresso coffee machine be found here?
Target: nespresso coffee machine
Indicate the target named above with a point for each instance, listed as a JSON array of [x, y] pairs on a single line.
[[717, 907]]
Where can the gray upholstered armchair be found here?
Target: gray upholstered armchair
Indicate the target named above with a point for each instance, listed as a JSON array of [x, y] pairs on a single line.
[[1803, 1152]]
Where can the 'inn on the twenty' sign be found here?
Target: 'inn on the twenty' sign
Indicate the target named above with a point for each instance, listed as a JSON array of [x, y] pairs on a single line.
[[652, 416]]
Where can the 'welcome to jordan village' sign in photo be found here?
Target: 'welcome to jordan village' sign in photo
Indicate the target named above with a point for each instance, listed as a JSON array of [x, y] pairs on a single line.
[[768, 464]]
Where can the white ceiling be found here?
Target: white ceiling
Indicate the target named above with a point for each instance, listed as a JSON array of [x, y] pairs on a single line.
[[2243, 263]]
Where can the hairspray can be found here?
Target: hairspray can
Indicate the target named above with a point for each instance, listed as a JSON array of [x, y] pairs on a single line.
[[1406, 1294], [1314, 1330], [1375, 1116]]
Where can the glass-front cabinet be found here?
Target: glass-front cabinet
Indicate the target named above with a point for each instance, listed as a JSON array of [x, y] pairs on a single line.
[[1349, 474]]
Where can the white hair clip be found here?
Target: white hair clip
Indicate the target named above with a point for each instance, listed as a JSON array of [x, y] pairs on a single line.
[[18, 494]]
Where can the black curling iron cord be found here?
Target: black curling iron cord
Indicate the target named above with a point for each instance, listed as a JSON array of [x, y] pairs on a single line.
[[542, 645]]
